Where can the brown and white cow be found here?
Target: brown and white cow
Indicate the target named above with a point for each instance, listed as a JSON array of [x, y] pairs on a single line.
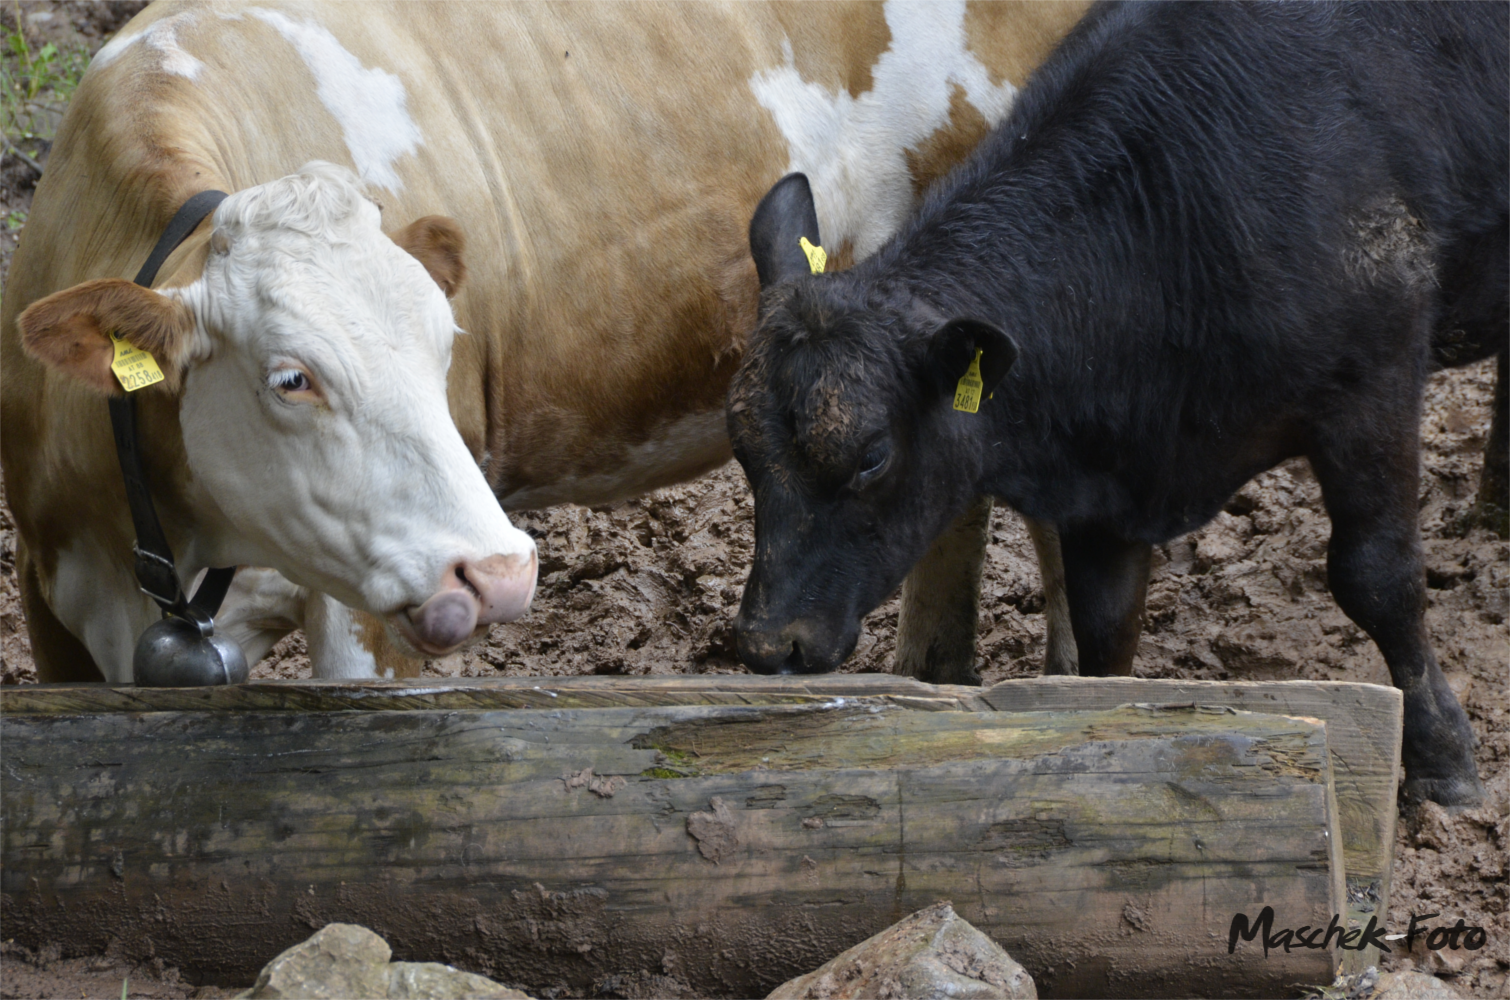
[[320, 420]]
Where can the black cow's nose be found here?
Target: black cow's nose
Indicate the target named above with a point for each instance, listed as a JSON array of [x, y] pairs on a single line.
[[802, 646], [774, 652]]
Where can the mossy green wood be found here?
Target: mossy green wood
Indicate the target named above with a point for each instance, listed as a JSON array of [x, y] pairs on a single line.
[[734, 846], [1363, 733]]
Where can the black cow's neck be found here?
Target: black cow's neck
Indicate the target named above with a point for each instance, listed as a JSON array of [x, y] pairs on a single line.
[[1102, 227]]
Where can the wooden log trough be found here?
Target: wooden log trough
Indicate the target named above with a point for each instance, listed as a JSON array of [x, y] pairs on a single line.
[[729, 831]]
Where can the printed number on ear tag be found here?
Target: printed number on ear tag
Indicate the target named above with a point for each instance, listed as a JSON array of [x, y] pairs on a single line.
[[134, 367], [817, 259], [967, 393]]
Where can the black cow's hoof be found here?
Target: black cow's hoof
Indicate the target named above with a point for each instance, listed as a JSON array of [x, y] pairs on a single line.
[[1454, 793]]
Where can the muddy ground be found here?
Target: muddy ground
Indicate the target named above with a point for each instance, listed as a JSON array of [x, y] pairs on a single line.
[[651, 586]]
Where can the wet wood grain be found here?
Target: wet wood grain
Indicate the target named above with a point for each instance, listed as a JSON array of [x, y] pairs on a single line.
[[1363, 731]]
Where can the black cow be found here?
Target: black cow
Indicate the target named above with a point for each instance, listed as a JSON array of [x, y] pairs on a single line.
[[1209, 237]]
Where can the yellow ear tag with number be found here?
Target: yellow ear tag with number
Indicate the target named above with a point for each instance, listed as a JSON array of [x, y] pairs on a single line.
[[134, 367], [967, 393], [817, 259]]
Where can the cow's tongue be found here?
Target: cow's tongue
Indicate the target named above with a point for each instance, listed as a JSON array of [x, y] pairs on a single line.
[[445, 620]]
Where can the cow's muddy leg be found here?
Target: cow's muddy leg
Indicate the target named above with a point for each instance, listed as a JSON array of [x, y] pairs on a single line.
[[1059, 653], [940, 600], [1105, 583], [58, 655], [1375, 572]]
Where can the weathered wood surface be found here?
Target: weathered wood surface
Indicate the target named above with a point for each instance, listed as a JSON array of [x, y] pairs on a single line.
[[1363, 733], [734, 845], [486, 693]]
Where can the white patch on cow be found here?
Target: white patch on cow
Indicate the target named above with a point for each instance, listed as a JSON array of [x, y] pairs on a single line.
[[371, 105], [678, 449], [853, 148], [161, 35]]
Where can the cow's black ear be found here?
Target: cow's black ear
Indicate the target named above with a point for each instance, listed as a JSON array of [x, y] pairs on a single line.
[[953, 347], [782, 219]]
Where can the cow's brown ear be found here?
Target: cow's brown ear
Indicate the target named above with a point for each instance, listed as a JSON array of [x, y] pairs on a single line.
[[437, 242], [70, 330]]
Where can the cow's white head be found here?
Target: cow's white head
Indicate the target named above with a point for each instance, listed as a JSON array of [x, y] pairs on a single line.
[[312, 355]]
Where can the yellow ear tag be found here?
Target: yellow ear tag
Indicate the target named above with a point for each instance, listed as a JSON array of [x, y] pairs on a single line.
[[816, 258], [967, 393], [134, 367]]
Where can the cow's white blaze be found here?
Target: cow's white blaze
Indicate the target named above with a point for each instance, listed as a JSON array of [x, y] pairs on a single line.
[[367, 493], [162, 36], [370, 105], [853, 149]]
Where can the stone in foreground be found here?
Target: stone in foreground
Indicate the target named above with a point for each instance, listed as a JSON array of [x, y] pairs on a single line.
[[932, 955], [346, 960]]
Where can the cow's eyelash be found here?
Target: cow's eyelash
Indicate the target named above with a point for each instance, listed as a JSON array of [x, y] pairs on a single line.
[[290, 380]]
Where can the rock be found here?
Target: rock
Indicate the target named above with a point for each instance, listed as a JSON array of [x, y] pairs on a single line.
[[346, 960], [931, 955], [433, 981], [340, 960], [1412, 986]]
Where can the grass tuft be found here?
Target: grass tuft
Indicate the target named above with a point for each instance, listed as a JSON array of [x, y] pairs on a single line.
[[36, 84]]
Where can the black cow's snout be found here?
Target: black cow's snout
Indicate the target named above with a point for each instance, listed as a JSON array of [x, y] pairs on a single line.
[[767, 652], [770, 653], [798, 647]]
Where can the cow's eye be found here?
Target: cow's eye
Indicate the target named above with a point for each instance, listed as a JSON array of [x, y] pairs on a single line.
[[872, 463], [289, 380]]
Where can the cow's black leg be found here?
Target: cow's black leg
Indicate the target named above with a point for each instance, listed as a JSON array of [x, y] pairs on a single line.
[[1375, 572], [1494, 486], [1059, 653], [940, 602], [1474, 324], [1105, 582]]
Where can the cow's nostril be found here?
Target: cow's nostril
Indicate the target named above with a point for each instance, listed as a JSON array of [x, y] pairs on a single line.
[[461, 574]]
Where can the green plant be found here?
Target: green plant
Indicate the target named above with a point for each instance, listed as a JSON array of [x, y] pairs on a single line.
[[35, 87], [15, 219]]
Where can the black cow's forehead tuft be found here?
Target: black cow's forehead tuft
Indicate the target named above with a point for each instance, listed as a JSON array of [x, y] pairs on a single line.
[[820, 380], [825, 371]]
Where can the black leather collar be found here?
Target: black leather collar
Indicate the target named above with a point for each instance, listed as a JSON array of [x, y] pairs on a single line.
[[155, 571]]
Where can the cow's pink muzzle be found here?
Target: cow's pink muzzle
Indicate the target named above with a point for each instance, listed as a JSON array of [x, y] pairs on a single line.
[[472, 596]]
